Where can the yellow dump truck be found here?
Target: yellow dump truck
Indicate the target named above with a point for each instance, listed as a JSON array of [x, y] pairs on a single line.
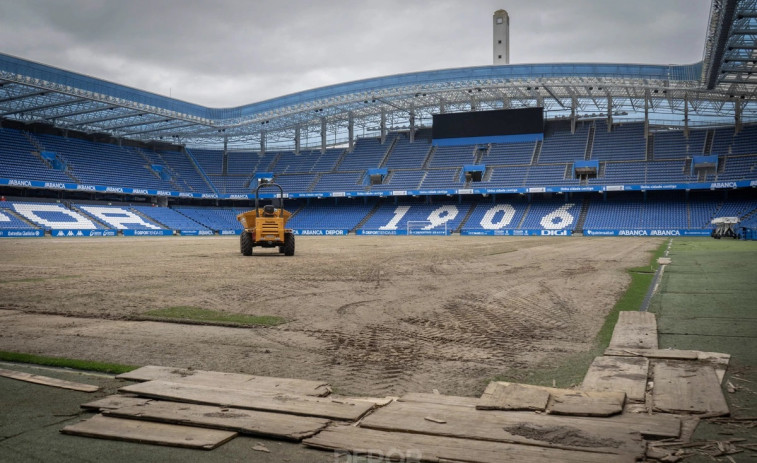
[[266, 226]]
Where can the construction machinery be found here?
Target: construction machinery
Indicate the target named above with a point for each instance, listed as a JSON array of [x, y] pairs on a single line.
[[266, 226]]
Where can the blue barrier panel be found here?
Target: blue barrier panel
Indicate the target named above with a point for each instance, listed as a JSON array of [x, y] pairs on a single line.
[[647, 232], [229, 232], [148, 232], [381, 232], [196, 232], [350, 194], [482, 232], [541, 232], [65, 233], [21, 233], [511, 232], [422, 232], [321, 232]]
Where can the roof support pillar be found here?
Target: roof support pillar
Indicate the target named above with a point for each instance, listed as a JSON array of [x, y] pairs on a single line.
[[686, 115], [736, 117], [442, 106], [225, 156], [323, 135], [609, 110], [506, 102], [262, 142], [351, 130], [646, 113], [573, 105], [412, 126], [297, 140], [383, 126]]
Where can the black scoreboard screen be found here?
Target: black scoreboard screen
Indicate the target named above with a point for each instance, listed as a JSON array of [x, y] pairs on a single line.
[[500, 122]]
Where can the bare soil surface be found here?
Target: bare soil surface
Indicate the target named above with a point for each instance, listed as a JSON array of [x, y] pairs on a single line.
[[369, 315]]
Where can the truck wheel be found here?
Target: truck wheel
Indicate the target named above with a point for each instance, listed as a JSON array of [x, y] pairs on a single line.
[[245, 243], [288, 244]]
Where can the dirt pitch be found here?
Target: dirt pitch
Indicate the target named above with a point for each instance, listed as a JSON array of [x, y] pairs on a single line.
[[370, 315]]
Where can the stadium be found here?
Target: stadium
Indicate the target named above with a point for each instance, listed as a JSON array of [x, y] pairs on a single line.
[[454, 226]]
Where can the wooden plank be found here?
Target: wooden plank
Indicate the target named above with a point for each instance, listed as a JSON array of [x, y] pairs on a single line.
[[230, 380], [323, 407], [114, 401], [584, 434], [651, 426], [635, 330], [266, 424], [426, 398], [627, 374], [513, 396], [718, 361], [48, 381], [375, 401], [687, 387], [149, 433], [673, 354], [502, 395], [425, 448], [580, 403]]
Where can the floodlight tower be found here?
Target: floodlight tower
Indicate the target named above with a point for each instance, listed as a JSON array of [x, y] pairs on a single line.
[[501, 42]]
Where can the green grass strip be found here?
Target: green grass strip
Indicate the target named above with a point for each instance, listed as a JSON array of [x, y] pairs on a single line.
[[573, 369], [197, 314], [112, 368]]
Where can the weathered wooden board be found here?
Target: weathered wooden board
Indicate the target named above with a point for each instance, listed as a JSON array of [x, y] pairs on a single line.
[[635, 330], [47, 381], [595, 435], [267, 424], [513, 396], [422, 397], [149, 433], [426, 448], [323, 407], [718, 361], [581, 403], [673, 354], [500, 395], [230, 380], [114, 401], [687, 387], [376, 401], [652, 426], [627, 374]]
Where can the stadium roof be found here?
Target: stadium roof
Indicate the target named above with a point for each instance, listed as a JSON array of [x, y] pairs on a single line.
[[720, 89]]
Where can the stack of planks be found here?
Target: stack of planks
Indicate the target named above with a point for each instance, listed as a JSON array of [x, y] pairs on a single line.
[[664, 380], [598, 422], [432, 427], [204, 409]]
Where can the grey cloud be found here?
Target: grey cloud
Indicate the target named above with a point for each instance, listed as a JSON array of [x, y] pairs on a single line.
[[232, 52]]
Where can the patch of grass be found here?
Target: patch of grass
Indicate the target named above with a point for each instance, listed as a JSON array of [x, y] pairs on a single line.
[[197, 314], [573, 368], [656, 254], [112, 368]]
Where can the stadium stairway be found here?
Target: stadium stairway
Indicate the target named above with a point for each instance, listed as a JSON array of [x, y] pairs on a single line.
[[15, 215], [465, 220], [91, 217], [367, 217], [579, 228]]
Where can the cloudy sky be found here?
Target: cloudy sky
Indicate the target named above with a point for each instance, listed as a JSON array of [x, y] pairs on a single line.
[[223, 53]]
